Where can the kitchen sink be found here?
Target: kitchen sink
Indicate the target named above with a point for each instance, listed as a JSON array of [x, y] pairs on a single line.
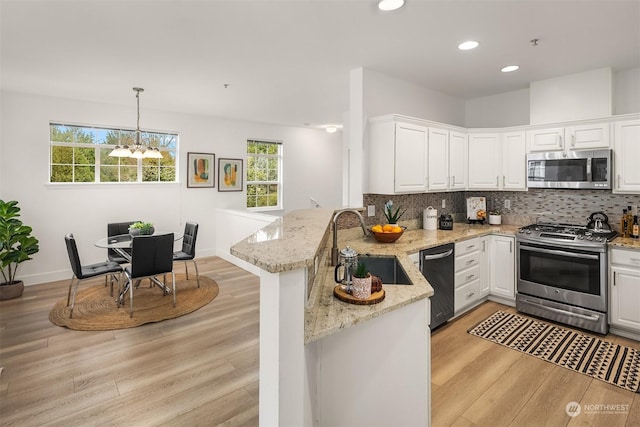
[[387, 268]]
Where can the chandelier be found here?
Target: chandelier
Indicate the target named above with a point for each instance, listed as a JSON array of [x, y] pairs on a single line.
[[137, 150]]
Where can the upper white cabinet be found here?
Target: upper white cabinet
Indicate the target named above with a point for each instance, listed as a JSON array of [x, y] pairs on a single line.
[[458, 160], [514, 161], [397, 154], [578, 137], [485, 164], [626, 153], [588, 137], [497, 161], [438, 155], [545, 139], [447, 155]]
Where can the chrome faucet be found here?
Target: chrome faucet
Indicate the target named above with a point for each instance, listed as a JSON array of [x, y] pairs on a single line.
[[334, 249]]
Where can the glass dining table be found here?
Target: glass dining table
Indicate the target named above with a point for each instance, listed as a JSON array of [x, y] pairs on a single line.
[[122, 242]]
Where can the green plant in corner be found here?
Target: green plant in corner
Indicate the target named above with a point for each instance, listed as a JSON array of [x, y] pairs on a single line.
[[392, 216], [361, 271], [17, 243]]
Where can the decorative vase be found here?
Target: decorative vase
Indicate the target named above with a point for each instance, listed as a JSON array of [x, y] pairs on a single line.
[[134, 231], [10, 291], [495, 219], [361, 287]]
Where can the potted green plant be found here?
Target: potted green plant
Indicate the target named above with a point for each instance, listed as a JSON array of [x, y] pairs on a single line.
[[392, 216], [495, 218], [17, 246], [361, 282], [141, 228]]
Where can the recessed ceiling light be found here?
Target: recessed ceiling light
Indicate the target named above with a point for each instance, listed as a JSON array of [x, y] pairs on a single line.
[[471, 44], [509, 68], [389, 5], [331, 129]]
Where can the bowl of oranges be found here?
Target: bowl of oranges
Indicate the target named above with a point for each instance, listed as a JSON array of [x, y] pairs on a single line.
[[387, 233]]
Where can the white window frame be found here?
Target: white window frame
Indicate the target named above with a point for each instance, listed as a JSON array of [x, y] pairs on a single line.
[[279, 182]]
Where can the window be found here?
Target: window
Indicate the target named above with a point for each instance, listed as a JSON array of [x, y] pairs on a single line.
[[264, 174], [81, 154]]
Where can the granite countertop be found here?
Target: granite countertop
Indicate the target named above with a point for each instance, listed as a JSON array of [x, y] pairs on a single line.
[[625, 242], [300, 239], [326, 315]]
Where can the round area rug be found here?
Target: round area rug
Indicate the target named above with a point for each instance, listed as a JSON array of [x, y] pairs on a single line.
[[96, 310]]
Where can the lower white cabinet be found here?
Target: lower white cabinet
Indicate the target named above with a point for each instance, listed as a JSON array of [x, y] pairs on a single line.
[[624, 289], [502, 273], [468, 272]]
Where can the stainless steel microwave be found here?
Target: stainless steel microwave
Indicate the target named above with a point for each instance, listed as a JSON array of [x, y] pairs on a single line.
[[589, 169]]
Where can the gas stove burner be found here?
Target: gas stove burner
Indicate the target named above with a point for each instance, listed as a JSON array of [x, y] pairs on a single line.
[[567, 234]]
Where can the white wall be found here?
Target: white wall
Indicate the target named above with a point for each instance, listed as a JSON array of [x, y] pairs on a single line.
[[626, 91], [502, 110], [388, 95], [312, 167], [586, 95]]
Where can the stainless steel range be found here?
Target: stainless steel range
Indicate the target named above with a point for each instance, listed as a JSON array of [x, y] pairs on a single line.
[[562, 274]]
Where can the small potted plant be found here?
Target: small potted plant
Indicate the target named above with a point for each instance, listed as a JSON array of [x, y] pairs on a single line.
[[141, 228], [361, 282], [392, 216], [16, 246], [495, 218]]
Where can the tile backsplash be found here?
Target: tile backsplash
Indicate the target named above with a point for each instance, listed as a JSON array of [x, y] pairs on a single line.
[[547, 205]]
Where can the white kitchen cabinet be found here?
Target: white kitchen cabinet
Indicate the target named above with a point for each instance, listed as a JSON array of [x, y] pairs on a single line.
[[485, 161], [397, 154], [624, 290], [588, 137], [551, 139], [458, 160], [438, 160], [502, 274], [484, 266], [447, 160], [468, 273], [514, 161], [626, 154]]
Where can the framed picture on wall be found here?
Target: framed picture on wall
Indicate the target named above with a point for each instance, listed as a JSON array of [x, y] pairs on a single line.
[[201, 170], [230, 174]]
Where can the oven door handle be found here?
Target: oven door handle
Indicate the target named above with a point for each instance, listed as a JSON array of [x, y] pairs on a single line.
[[558, 252]]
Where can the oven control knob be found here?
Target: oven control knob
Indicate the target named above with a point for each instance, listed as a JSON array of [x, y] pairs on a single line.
[[590, 238], [528, 231], [580, 237]]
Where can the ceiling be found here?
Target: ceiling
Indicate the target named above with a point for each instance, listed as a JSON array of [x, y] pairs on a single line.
[[288, 62]]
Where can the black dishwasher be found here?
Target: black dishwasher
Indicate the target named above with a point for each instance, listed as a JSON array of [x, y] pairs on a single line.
[[437, 266]]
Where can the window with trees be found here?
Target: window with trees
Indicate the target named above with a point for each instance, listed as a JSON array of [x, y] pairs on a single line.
[[81, 154], [264, 174]]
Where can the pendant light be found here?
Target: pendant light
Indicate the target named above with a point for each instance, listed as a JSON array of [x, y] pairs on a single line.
[[138, 150]]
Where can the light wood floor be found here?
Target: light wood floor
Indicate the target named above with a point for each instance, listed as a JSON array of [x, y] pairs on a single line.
[[202, 369], [199, 369], [479, 383]]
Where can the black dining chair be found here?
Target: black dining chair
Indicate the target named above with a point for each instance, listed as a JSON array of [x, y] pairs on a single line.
[[151, 256], [188, 252], [117, 229], [82, 272]]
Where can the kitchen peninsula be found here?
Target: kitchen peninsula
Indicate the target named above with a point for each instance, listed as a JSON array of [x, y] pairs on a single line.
[[326, 362]]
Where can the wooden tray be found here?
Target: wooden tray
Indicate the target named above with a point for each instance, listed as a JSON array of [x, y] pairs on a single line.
[[375, 297]]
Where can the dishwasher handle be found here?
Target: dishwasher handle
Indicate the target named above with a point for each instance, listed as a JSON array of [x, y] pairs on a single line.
[[438, 256]]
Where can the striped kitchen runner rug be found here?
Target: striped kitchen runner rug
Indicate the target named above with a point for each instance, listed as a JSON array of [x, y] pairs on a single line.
[[592, 356]]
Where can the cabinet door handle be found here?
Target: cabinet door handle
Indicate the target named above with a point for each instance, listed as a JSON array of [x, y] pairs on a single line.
[[470, 295], [504, 180], [471, 261], [471, 276], [573, 140], [497, 181], [618, 180], [510, 246], [453, 180], [614, 278], [484, 246]]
